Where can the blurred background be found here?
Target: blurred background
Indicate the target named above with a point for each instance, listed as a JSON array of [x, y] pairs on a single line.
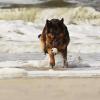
[[74, 11]]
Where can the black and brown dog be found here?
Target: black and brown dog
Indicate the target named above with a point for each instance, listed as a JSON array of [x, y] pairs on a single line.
[[55, 35]]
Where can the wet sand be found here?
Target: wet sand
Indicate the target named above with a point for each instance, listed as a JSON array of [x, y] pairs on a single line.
[[50, 89]]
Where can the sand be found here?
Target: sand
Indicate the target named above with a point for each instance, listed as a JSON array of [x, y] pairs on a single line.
[[50, 89]]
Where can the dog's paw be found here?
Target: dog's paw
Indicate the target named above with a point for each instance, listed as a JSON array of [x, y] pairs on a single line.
[[52, 65]]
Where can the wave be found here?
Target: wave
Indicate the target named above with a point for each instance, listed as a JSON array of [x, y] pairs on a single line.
[[72, 15], [77, 15]]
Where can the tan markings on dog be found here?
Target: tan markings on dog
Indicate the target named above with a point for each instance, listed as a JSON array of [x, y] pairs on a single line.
[[61, 47], [42, 42], [51, 55], [49, 37], [61, 35]]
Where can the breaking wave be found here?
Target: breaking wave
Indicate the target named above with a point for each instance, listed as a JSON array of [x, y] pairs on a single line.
[[78, 15], [72, 15]]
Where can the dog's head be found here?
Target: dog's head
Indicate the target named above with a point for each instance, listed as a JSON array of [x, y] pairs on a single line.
[[55, 32]]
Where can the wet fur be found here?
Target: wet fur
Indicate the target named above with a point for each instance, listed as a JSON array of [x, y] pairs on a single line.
[[55, 33]]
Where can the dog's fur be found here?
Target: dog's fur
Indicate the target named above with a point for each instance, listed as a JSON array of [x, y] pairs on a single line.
[[55, 35]]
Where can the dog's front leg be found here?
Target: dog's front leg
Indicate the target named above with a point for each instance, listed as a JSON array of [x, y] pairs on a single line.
[[52, 58]]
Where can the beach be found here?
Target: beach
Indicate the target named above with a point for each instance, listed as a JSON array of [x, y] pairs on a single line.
[[25, 73], [50, 89]]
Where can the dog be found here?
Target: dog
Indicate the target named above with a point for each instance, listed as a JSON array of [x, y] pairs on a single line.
[[55, 38]]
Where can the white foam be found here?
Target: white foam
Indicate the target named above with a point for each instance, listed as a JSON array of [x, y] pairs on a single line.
[[12, 73], [84, 39], [20, 36], [85, 73]]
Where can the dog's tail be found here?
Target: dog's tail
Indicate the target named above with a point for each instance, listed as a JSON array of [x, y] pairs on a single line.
[[39, 35]]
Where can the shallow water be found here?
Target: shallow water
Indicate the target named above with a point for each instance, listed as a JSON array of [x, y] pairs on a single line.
[[75, 60], [20, 51], [84, 37]]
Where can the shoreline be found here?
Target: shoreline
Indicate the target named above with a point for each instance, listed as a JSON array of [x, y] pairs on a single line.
[[17, 73]]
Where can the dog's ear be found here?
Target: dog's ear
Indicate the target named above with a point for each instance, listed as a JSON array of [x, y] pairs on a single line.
[[62, 20], [48, 23]]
